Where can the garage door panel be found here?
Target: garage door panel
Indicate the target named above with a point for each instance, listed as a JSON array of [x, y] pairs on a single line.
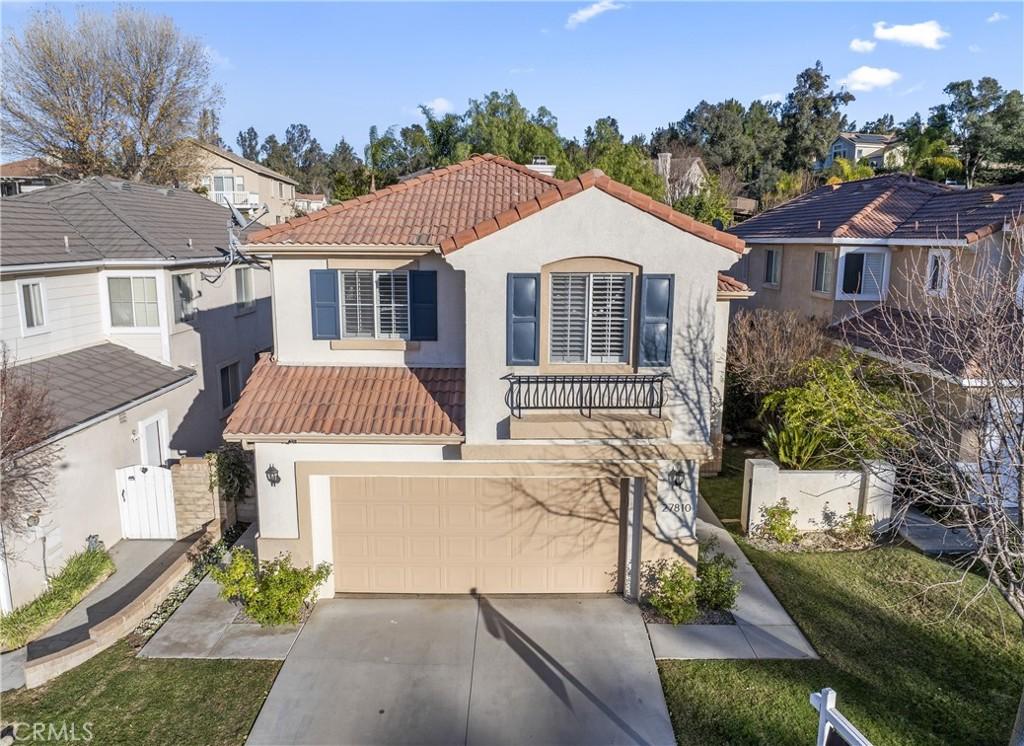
[[497, 535]]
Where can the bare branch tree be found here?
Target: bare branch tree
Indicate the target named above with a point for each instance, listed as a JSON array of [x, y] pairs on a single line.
[[955, 338], [767, 348], [27, 462], [109, 95]]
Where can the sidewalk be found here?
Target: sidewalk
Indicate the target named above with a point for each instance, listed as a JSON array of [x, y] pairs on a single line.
[[931, 537], [763, 629], [205, 626]]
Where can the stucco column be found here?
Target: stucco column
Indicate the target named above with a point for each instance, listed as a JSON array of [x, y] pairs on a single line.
[[876, 492], [760, 488]]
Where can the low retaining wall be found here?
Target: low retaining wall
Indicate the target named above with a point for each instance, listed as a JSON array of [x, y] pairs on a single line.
[[110, 630], [821, 498]]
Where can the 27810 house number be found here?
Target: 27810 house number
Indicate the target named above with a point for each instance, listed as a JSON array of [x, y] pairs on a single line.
[[677, 508]]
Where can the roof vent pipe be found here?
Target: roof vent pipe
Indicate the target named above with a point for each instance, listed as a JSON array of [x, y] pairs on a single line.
[[540, 165], [67, 244]]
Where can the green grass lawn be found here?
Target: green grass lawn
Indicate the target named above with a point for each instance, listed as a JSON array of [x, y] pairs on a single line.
[[910, 665], [129, 700]]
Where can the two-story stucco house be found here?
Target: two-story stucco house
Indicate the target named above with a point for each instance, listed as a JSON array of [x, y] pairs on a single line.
[[230, 178], [877, 150], [117, 298], [487, 378]]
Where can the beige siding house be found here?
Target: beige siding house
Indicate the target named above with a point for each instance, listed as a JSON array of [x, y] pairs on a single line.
[[117, 298], [878, 151], [229, 178], [486, 378]]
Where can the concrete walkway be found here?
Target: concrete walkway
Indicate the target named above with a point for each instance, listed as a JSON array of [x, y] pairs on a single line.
[[933, 538], [763, 629], [206, 626], [138, 562]]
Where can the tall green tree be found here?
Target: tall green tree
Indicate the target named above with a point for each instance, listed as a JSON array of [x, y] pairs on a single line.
[[812, 117], [762, 128], [498, 123], [208, 128], [980, 121], [248, 142], [717, 129], [881, 126]]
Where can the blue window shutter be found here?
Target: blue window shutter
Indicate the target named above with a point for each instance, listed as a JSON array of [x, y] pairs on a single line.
[[323, 300], [423, 305], [522, 333], [656, 320]]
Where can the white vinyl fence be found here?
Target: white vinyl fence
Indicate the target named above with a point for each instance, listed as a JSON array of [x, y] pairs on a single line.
[[832, 723]]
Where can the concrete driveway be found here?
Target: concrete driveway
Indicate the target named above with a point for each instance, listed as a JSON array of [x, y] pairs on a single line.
[[468, 671]]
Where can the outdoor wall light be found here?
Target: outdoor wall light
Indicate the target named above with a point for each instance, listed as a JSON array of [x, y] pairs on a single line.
[[273, 476], [678, 478]]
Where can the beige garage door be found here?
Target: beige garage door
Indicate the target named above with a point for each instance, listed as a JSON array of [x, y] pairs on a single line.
[[497, 535]]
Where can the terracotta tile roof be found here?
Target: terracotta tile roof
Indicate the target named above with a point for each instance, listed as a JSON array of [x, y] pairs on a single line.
[[867, 208], [727, 284], [453, 206], [294, 400], [26, 168]]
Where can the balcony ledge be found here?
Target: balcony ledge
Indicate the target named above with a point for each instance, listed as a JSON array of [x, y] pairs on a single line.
[[600, 426]]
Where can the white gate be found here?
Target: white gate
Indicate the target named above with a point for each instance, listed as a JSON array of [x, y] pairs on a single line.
[[146, 498]]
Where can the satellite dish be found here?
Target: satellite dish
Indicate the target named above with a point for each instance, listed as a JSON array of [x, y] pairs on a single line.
[[235, 214]]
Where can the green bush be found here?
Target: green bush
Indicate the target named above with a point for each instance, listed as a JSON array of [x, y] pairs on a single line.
[[675, 596], [230, 471], [793, 447], [777, 522], [79, 575], [856, 527], [273, 592], [716, 588]]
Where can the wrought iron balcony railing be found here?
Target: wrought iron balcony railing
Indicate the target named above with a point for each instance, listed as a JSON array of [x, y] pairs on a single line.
[[585, 393]]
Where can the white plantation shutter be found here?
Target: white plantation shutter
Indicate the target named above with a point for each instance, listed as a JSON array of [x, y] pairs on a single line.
[[569, 318], [393, 302], [871, 282], [357, 303], [609, 317]]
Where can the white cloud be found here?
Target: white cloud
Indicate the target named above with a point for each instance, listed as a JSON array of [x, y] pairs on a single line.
[[771, 98], [863, 45], [218, 60], [866, 78], [996, 17], [439, 105], [583, 15], [973, 48], [926, 34]]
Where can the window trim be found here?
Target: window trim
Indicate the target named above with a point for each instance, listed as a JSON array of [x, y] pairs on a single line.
[[195, 294], [238, 383], [43, 328], [777, 266], [845, 251], [944, 255], [161, 302], [377, 336], [828, 288], [250, 305], [629, 321]]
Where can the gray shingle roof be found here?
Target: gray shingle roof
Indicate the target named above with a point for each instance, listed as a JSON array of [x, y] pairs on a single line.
[[112, 220], [246, 163], [95, 380], [869, 138]]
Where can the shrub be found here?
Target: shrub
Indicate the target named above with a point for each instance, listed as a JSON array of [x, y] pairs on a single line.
[[856, 527], [793, 447], [777, 522], [273, 592], [716, 588], [79, 575], [230, 471], [675, 596]]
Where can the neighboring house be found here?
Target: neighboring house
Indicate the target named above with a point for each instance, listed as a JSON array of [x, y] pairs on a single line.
[[685, 176], [307, 203], [488, 379], [878, 151], [247, 185], [837, 252], [27, 175], [114, 297]]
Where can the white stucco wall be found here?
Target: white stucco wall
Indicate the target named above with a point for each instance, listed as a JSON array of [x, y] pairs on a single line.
[[278, 509], [294, 344], [84, 498], [591, 224]]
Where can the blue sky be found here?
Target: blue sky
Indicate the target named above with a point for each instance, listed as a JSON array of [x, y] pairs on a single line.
[[340, 67]]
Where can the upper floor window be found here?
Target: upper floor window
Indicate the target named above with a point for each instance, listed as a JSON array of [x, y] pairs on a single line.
[[33, 312], [938, 271], [244, 294], [375, 303], [863, 275], [133, 302], [184, 296], [590, 317], [772, 266], [824, 272], [230, 385]]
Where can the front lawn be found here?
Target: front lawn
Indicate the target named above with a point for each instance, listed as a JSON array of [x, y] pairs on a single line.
[[909, 665], [129, 700]]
